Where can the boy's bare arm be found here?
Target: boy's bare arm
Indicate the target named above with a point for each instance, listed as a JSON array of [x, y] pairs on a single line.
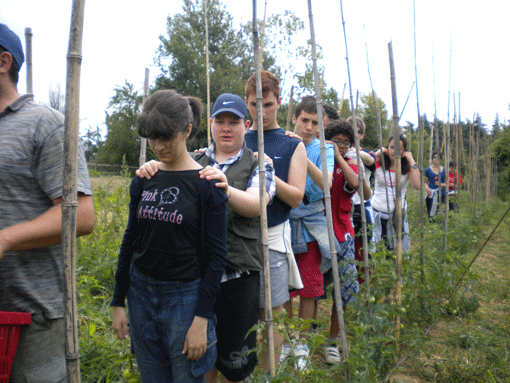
[[46, 229], [292, 191]]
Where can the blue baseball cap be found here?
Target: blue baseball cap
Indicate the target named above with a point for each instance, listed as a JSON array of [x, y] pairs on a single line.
[[12, 44], [228, 102]]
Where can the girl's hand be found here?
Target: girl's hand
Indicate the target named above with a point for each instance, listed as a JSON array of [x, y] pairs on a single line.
[[119, 323], [196, 339]]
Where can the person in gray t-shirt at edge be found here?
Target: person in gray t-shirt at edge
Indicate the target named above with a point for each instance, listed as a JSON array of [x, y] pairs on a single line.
[[31, 260]]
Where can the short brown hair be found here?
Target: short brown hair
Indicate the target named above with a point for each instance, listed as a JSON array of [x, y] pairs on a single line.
[[270, 83]]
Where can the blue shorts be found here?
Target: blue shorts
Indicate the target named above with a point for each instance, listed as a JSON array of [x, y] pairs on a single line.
[[279, 277], [160, 315]]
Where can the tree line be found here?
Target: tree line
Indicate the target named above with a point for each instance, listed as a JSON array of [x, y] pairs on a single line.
[[181, 62]]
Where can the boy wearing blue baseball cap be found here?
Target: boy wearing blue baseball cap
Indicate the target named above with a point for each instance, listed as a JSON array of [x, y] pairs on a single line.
[[31, 259]]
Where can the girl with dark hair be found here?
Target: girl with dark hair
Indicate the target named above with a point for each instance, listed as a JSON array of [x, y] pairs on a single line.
[[433, 173], [383, 199], [173, 253]]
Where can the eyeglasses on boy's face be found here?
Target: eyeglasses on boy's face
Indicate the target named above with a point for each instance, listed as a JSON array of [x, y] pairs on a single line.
[[338, 142]]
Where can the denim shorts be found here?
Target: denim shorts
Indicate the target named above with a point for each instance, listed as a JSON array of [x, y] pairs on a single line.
[[160, 315]]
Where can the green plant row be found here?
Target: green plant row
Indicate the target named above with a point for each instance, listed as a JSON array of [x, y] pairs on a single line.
[[374, 348]]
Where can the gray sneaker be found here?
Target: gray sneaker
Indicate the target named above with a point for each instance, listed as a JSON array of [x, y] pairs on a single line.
[[332, 354]]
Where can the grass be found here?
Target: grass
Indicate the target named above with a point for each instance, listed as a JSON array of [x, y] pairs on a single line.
[[469, 340]]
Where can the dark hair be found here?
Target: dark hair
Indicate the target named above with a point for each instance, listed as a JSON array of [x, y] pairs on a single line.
[[331, 112], [340, 126], [14, 69], [452, 164], [167, 113], [436, 153], [404, 165], [270, 83], [359, 122], [307, 104]]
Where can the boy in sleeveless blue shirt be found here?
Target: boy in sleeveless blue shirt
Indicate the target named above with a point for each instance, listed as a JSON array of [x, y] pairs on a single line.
[[288, 156]]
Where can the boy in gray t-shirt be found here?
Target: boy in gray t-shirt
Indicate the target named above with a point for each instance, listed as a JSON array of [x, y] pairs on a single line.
[[31, 178]]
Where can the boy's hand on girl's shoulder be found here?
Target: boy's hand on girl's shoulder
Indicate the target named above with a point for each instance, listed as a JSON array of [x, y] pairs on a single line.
[[268, 159], [292, 134], [148, 169]]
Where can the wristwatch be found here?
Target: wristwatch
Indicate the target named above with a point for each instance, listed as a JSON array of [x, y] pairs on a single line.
[[415, 166]]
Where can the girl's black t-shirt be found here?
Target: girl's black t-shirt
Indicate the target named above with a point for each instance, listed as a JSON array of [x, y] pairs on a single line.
[[164, 238]]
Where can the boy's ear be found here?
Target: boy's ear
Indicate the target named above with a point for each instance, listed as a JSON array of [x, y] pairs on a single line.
[[5, 62]]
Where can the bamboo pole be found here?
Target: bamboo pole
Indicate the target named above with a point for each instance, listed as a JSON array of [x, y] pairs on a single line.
[[289, 110], [208, 74], [69, 197], [472, 167], [432, 127], [338, 295], [457, 158], [436, 128], [379, 130], [341, 102], [361, 178], [440, 162], [420, 150], [262, 193], [398, 190], [488, 171], [263, 34], [143, 141], [28, 61], [447, 155]]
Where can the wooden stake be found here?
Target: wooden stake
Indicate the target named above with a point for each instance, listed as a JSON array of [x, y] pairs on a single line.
[[262, 193], [28, 61], [398, 190], [340, 107], [69, 196], [420, 151], [208, 74], [447, 156], [289, 110], [143, 141]]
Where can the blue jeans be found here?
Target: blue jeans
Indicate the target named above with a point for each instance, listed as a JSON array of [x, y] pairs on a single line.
[[160, 315]]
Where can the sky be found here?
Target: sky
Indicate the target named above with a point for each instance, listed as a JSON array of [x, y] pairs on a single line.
[[461, 50]]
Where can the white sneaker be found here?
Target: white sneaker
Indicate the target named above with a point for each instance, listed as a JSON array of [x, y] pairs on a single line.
[[302, 354], [286, 351], [332, 354]]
